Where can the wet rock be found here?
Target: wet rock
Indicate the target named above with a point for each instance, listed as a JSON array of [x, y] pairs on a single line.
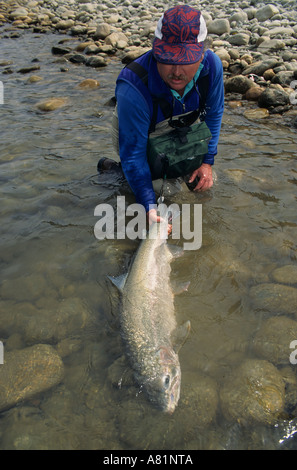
[[272, 97], [238, 84], [34, 79], [285, 274], [283, 78], [25, 288], [106, 49], [51, 104], [27, 373], [92, 49], [96, 61], [68, 346], [268, 74], [30, 68], [253, 393], [275, 298], [82, 46], [77, 58], [259, 67], [290, 380], [255, 114], [103, 30], [133, 53], [69, 318], [272, 341], [60, 50], [253, 93], [199, 397], [89, 83], [235, 104]]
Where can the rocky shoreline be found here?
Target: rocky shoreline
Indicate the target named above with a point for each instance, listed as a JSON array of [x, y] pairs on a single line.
[[257, 42]]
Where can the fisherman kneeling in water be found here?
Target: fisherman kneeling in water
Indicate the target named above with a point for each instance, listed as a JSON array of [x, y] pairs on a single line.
[[170, 103]]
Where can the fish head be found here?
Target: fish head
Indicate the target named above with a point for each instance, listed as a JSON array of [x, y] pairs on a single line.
[[163, 388]]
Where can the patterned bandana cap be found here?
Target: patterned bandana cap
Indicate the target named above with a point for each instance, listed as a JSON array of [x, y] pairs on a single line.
[[179, 36]]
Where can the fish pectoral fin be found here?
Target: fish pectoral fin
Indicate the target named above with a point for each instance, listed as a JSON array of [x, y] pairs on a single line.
[[120, 374], [180, 335], [179, 288], [119, 281]]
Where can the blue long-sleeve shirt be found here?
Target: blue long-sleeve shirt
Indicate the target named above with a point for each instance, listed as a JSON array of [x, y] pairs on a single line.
[[134, 113]]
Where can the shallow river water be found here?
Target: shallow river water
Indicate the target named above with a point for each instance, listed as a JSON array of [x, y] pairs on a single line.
[[50, 258]]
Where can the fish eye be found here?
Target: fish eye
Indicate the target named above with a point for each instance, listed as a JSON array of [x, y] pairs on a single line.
[[166, 380]]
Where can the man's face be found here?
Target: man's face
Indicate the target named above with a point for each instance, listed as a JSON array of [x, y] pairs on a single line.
[[178, 76]]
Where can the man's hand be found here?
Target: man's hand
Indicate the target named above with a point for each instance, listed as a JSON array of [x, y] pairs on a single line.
[[152, 217], [204, 173]]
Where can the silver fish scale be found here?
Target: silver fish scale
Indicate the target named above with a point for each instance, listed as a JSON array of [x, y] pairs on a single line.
[[148, 310]]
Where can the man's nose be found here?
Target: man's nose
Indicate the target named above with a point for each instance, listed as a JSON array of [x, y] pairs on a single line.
[[176, 69]]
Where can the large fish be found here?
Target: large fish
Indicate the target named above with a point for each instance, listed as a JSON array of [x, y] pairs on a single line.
[[148, 322]]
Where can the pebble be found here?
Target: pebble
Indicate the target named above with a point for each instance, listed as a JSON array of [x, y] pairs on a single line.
[[249, 38]]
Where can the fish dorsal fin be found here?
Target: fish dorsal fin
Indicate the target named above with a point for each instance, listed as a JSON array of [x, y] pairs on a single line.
[[119, 281], [179, 335]]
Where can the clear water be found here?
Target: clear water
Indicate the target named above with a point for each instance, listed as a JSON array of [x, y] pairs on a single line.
[[49, 256]]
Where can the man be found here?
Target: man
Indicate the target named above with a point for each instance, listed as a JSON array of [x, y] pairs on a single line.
[[173, 68]]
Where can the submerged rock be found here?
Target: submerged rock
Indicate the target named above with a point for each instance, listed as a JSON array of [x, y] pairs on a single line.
[[276, 298], [272, 341], [28, 372], [255, 114], [285, 274], [199, 398], [89, 83], [253, 393], [51, 104]]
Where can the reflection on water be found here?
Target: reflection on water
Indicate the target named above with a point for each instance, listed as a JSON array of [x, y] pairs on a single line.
[[54, 287]]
